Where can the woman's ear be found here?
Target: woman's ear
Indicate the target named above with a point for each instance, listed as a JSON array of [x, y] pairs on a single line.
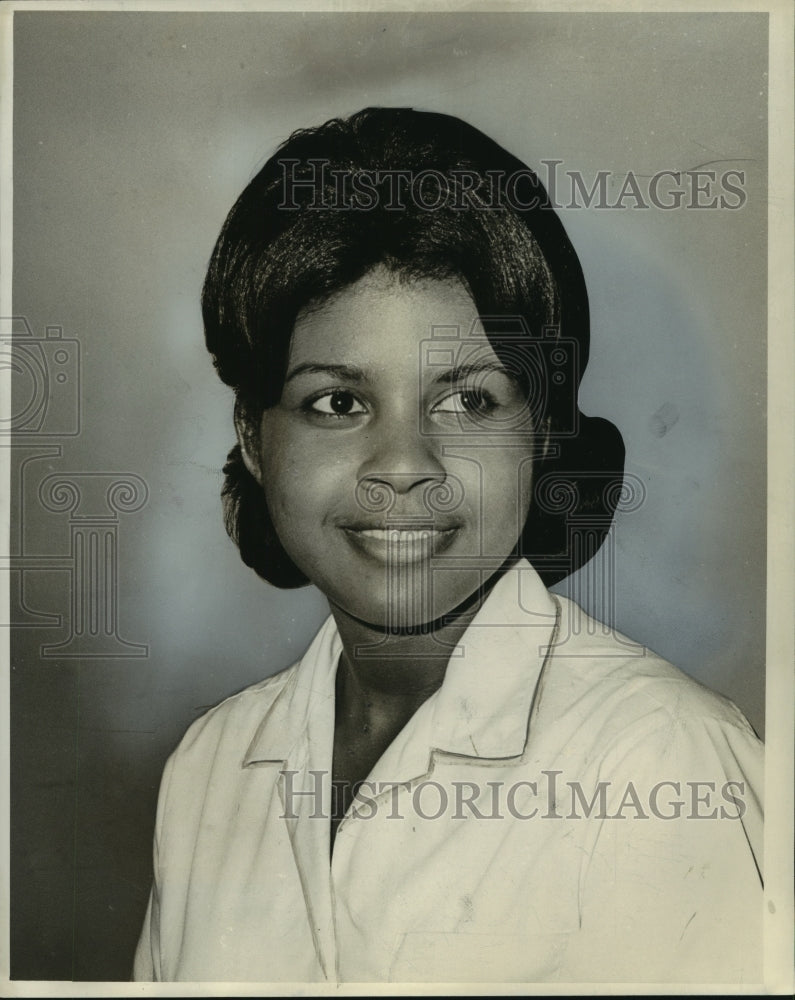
[[248, 439]]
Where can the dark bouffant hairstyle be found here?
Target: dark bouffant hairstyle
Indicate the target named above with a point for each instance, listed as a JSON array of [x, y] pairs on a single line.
[[325, 210]]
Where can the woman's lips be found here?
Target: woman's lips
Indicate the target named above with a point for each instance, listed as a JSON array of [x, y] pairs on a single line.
[[403, 545]]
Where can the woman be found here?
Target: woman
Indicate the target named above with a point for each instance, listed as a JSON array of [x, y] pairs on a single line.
[[464, 778]]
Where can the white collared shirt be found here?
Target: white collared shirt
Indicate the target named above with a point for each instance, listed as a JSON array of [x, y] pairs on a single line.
[[566, 807]]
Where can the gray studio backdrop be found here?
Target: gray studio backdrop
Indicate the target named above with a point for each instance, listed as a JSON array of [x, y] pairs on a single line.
[[133, 134]]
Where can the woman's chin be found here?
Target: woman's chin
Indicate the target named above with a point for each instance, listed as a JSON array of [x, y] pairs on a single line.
[[412, 611]]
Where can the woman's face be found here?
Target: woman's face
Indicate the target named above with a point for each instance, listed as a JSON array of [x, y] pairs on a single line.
[[397, 465]]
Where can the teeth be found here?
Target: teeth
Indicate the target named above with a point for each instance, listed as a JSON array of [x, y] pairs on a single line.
[[400, 536]]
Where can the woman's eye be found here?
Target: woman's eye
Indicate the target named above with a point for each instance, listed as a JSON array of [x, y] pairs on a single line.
[[338, 403], [471, 402]]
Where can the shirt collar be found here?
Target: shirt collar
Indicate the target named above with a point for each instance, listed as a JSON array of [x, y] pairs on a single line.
[[304, 703], [483, 707]]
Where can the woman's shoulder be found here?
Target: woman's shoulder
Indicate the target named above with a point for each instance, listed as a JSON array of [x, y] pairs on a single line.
[[610, 710], [598, 671], [213, 750], [235, 719]]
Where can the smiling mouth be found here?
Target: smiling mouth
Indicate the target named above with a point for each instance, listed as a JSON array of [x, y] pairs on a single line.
[[400, 544]]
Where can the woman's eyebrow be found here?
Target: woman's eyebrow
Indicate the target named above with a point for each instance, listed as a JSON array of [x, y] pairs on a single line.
[[348, 372], [461, 372]]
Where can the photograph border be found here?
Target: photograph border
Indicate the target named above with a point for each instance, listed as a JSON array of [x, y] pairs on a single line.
[[780, 673]]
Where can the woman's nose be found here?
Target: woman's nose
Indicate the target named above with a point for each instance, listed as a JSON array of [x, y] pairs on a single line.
[[400, 456]]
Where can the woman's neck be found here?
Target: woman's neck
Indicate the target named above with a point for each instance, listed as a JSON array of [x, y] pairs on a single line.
[[383, 677], [393, 664], [395, 669]]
